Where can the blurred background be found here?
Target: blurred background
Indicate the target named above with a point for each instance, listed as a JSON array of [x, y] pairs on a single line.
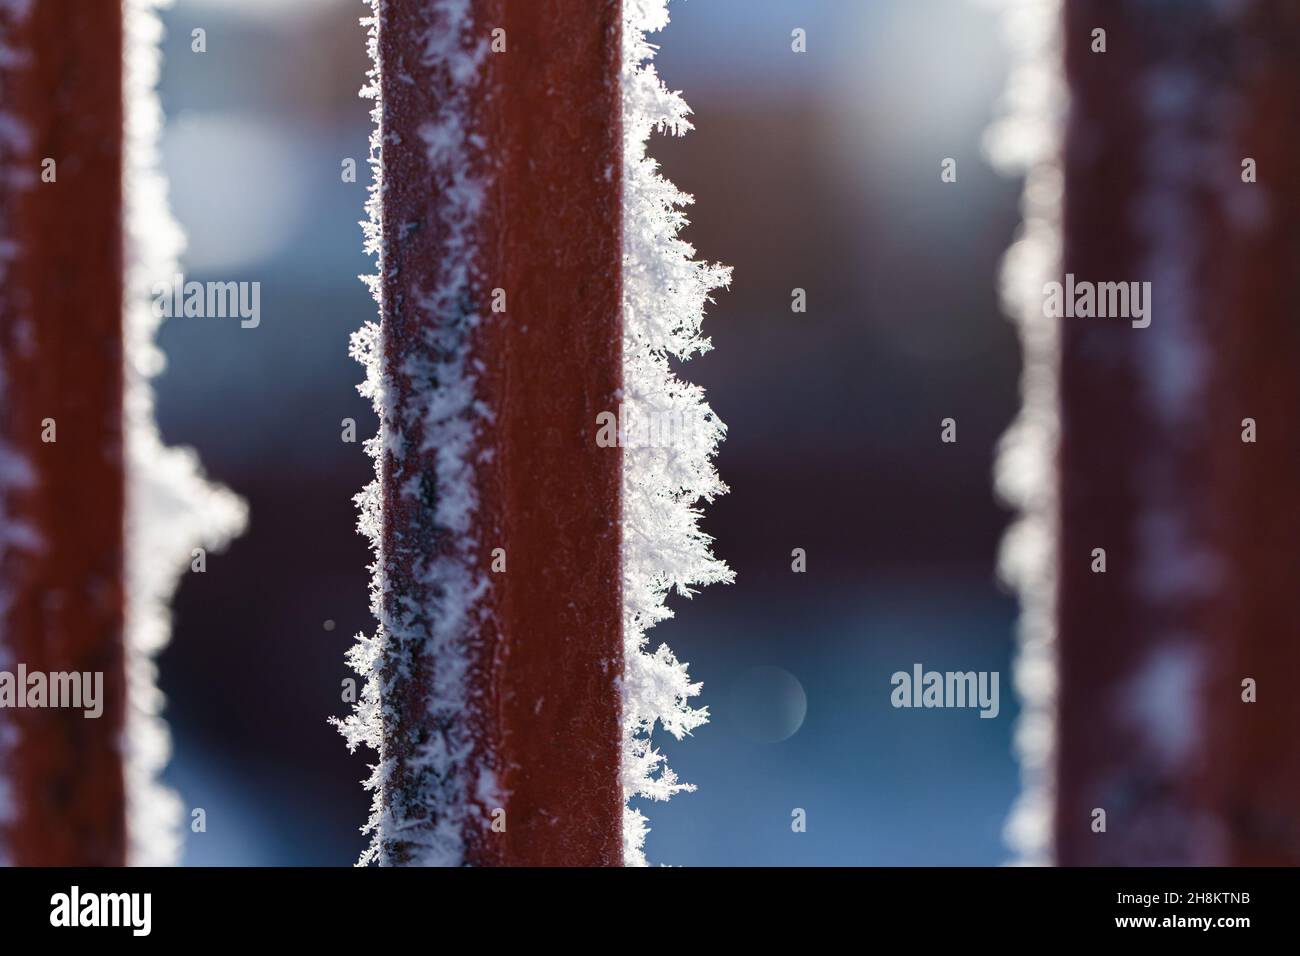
[[818, 171]]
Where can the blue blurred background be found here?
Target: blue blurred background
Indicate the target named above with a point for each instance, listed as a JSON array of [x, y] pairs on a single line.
[[818, 171]]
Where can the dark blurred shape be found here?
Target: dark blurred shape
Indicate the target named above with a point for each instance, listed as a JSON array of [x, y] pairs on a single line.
[[1201, 527]]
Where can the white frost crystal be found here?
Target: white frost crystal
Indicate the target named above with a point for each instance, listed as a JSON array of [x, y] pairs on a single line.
[[665, 290], [449, 416], [171, 508], [1026, 140]]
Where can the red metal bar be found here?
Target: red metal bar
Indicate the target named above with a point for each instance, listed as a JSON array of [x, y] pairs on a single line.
[[543, 121], [61, 345], [1201, 530]]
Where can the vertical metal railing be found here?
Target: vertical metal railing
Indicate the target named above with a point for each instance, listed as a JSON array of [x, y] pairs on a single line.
[[536, 332], [1180, 443], [61, 560]]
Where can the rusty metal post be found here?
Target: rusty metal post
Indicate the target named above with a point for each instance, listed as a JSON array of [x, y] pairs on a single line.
[[62, 493], [501, 259], [1197, 509]]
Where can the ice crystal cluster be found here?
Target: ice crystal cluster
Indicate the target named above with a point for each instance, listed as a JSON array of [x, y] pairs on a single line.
[[665, 291]]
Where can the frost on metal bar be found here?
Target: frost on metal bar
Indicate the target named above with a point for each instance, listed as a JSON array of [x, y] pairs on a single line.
[[171, 508], [665, 290], [492, 690], [1133, 671], [456, 673], [447, 767], [16, 474], [97, 520], [1178, 164]]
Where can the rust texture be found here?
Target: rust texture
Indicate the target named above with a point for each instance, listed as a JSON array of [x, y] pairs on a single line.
[[544, 663], [61, 348]]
